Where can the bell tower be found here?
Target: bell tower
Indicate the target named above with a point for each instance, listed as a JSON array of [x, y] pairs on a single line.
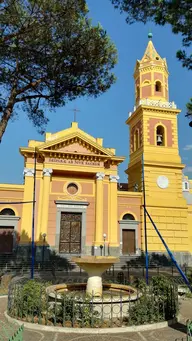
[[154, 136]]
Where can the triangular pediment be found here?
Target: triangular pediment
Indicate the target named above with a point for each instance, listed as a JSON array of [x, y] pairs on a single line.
[[72, 143], [75, 143]]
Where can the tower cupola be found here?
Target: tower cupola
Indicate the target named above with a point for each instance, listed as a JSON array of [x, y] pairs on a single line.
[[151, 76]]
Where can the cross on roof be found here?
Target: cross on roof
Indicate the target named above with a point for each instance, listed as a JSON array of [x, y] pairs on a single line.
[[75, 113]]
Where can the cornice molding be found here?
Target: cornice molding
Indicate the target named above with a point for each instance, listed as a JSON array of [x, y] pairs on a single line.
[[150, 109], [129, 194]]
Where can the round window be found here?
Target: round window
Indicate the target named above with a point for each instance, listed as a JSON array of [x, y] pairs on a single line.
[[72, 188]]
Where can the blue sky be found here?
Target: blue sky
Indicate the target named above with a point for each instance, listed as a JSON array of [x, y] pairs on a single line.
[[105, 116]]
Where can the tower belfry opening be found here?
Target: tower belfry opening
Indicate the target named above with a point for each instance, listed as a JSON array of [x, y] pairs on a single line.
[[160, 135], [158, 86]]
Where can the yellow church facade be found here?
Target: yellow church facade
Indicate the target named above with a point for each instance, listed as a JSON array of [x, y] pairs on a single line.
[[81, 208]]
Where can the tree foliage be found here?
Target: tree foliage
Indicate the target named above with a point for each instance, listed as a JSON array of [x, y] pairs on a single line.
[[189, 111], [177, 13], [50, 53]]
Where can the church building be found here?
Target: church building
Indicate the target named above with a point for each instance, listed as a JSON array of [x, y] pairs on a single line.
[[81, 208]]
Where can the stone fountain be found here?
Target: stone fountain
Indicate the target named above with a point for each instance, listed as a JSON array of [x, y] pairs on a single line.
[[95, 266], [109, 300]]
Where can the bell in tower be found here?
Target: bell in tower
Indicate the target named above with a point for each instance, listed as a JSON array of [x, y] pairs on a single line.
[[160, 136], [159, 140]]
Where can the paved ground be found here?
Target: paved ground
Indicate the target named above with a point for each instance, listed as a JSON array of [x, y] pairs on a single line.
[[176, 332]]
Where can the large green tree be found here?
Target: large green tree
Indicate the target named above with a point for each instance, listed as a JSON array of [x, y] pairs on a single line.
[[50, 53], [177, 13]]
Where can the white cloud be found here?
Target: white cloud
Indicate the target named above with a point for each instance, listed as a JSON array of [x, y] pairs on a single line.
[[188, 147], [188, 169]]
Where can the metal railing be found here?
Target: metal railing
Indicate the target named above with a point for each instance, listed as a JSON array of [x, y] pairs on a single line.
[[39, 302], [124, 274]]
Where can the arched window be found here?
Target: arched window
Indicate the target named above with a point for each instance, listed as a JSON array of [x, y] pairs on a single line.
[[128, 216], [160, 136], [7, 211], [158, 86], [136, 140]]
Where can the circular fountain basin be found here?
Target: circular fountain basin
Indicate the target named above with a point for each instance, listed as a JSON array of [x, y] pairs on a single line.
[[114, 302]]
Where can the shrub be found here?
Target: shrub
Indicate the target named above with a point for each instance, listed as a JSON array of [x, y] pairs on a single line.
[[158, 302], [145, 310], [29, 299], [74, 308]]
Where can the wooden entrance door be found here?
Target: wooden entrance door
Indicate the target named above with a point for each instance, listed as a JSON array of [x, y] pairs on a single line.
[[6, 239], [70, 233], [128, 241]]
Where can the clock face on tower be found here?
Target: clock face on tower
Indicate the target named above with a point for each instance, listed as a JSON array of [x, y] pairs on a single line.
[[162, 181]]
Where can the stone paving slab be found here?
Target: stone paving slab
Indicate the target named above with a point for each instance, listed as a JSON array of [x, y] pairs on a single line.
[[177, 331]]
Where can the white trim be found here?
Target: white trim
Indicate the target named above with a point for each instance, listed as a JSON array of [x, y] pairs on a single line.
[[47, 171], [28, 172], [100, 176], [184, 187], [129, 225], [113, 178], [73, 207]]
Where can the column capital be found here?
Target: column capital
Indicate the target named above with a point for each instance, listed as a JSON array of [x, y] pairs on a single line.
[[113, 178], [28, 172], [47, 171], [100, 176]]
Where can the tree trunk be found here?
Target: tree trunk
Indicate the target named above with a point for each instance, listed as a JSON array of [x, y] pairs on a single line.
[[7, 114]]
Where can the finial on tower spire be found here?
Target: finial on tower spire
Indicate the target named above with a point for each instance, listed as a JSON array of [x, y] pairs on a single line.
[[150, 35]]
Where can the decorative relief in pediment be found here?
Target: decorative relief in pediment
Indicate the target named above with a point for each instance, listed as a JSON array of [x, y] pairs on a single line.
[[75, 145], [71, 198], [75, 148]]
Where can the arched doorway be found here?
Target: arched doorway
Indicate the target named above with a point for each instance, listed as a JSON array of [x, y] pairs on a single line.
[[128, 234], [8, 223]]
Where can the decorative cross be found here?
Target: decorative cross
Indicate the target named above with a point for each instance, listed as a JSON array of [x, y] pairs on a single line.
[[75, 113]]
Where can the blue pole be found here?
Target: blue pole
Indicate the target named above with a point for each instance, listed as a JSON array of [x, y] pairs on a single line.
[[145, 227], [33, 219], [169, 251]]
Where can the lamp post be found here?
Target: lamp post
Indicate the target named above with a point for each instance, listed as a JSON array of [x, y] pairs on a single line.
[[43, 255], [104, 238], [101, 248], [33, 218]]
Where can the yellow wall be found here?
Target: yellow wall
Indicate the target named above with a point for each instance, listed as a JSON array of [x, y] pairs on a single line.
[[190, 227]]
